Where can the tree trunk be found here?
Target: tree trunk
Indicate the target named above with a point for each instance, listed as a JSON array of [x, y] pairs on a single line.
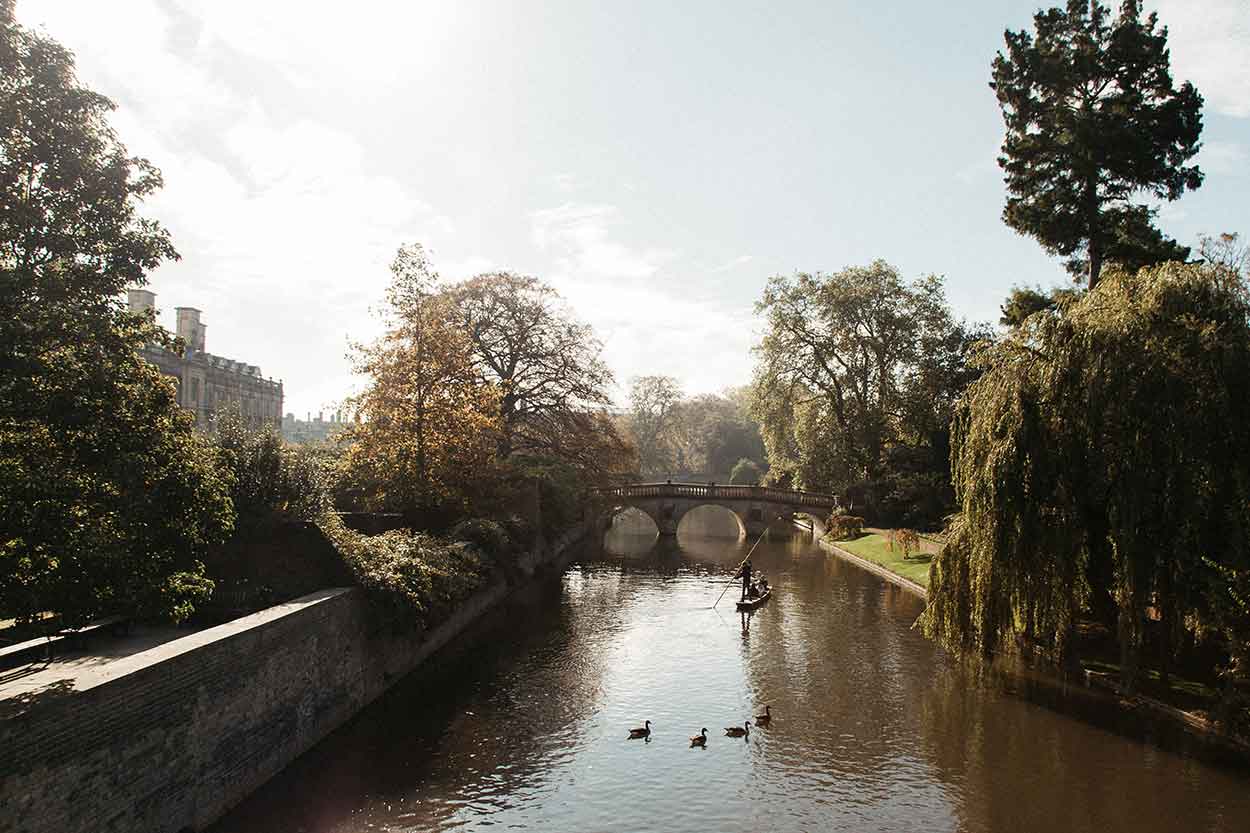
[[507, 418], [1167, 628], [1067, 655], [1130, 649], [1092, 218], [1095, 264], [1165, 654]]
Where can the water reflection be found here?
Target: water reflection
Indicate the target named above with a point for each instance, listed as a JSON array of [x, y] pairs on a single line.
[[872, 727]]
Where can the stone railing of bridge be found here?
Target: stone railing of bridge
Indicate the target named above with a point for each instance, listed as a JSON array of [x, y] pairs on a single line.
[[718, 492]]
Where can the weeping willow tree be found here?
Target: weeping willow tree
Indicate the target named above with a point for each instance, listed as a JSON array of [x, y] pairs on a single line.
[[1102, 468]]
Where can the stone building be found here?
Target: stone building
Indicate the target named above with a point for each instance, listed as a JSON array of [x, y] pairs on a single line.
[[208, 384], [304, 431]]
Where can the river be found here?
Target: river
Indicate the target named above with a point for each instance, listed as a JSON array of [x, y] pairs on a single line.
[[523, 724]]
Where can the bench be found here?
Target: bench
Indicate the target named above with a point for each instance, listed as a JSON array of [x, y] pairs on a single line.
[[40, 649]]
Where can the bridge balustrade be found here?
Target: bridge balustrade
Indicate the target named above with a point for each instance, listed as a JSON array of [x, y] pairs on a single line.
[[707, 491]]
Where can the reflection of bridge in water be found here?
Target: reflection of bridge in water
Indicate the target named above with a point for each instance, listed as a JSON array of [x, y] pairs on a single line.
[[754, 506]]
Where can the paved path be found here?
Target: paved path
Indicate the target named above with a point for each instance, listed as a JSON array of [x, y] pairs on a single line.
[[64, 669]]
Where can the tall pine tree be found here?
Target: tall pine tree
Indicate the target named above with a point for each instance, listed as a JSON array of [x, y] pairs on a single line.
[[1093, 121]]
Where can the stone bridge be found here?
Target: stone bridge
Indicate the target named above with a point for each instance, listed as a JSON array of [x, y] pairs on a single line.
[[754, 506]]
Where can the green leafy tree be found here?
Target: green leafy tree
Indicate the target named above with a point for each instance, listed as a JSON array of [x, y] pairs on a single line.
[[711, 432], [108, 497], [654, 403], [270, 477], [1102, 463], [834, 366], [746, 473], [1093, 120], [653, 418]]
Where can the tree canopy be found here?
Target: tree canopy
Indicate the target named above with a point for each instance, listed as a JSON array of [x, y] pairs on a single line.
[[546, 364], [427, 422], [107, 495], [714, 432], [653, 404], [855, 379], [480, 395], [1093, 120], [1103, 459]]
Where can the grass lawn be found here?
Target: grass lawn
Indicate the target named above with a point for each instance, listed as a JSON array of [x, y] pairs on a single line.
[[872, 547]]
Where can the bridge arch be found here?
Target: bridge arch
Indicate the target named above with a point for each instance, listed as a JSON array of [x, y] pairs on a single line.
[[715, 510], [754, 506], [626, 513]]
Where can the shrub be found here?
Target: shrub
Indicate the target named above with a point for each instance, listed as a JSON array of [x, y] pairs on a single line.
[[746, 473], [845, 527], [414, 580], [487, 536], [269, 476], [908, 540]]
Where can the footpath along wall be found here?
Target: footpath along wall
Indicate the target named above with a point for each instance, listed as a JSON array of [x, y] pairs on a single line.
[[168, 740]]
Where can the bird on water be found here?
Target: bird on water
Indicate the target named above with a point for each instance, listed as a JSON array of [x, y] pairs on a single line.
[[738, 731], [699, 739], [765, 718], [644, 732]]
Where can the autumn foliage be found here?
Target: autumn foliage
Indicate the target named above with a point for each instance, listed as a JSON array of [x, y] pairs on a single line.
[[482, 397]]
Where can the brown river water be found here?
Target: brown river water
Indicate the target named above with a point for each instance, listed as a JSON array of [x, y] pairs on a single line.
[[523, 723]]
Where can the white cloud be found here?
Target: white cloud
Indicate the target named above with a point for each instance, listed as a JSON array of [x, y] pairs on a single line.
[[701, 342], [565, 183], [284, 228], [1171, 212], [578, 235], [1226, 158], [462, 268], [649, 323], [285, 223], [1210, 45], [740, 260], [319, 46]]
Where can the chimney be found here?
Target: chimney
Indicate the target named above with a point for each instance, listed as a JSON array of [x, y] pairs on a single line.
[[190, 328], [140, 300]]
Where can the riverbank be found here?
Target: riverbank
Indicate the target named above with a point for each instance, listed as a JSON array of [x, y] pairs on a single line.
[[168, 739], [522, 724], [871, 553]]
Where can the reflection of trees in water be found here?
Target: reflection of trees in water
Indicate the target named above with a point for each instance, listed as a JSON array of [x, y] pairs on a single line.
[[670, 553], [493, 718], [1020, 767], [710, 522], [830, 653], [631, 523], [867, 714]]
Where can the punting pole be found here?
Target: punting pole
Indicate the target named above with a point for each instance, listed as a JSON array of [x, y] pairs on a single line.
[[740, 563]]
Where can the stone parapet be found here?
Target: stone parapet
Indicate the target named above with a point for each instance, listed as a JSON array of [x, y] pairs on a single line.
[[169, 739]]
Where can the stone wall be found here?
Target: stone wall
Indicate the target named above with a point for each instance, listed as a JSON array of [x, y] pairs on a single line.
[[169, 739]]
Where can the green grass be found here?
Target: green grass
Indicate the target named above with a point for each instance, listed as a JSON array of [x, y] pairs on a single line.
[[873, 547]]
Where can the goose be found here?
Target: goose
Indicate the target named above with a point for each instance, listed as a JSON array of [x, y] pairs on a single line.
[[765, 718], [738, 731], [644, 732], [700, 739]]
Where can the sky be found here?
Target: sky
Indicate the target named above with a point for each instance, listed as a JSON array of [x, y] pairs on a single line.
[[655, 161]]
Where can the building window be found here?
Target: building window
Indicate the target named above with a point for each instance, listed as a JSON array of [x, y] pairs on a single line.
[[195, 390]]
